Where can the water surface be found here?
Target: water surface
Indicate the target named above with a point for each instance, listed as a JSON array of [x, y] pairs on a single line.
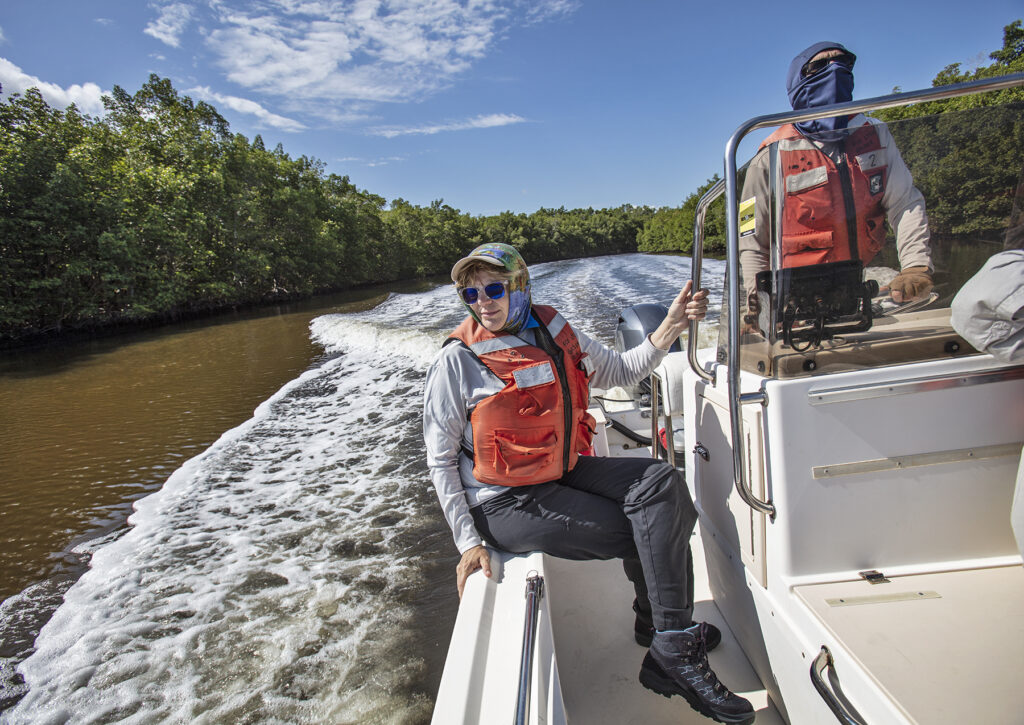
[[297, 568]]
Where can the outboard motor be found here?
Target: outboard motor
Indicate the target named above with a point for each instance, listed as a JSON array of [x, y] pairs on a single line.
[[636, 323]]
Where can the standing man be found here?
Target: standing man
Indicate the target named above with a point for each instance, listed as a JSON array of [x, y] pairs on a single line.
[[842, 178]]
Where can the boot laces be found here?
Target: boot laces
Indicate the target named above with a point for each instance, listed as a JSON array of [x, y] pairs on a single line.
[[697, 658]]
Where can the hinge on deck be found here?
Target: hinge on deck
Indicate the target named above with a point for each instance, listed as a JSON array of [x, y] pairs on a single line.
[[873, 577]]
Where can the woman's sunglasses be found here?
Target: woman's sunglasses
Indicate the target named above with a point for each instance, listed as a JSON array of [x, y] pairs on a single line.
[[493, 291], [816, 66]]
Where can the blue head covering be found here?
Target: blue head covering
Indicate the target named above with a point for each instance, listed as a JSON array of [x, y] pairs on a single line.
[[832, 84], [508, 259]]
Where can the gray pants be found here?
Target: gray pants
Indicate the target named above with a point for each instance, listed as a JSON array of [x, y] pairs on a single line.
[[635, 509]]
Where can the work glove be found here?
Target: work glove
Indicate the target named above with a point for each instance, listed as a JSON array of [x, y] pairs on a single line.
[[911, 283]]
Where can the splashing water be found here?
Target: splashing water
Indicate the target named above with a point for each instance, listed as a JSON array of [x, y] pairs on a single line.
[[285, 574]]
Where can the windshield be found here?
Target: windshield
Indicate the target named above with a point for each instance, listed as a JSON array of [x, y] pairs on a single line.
[[851, 248]]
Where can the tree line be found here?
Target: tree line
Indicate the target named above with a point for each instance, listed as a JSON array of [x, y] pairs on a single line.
[[966, 153], [156, 210]]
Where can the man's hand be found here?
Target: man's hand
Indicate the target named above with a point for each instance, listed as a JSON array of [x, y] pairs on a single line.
[[911, 283], [472, 559]]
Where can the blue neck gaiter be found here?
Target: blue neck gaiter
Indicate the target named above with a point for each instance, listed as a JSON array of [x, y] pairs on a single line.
[[832, 84]]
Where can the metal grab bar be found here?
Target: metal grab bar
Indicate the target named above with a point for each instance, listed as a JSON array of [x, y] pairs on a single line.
[[823, 660], [670, 448], [696, 265], [732, 230], [534, 592]]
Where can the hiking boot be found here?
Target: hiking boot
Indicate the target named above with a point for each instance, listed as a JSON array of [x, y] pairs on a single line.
[[677, 664], [643, 630]]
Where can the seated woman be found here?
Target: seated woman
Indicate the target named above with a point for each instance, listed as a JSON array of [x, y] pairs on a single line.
[[505, 420]]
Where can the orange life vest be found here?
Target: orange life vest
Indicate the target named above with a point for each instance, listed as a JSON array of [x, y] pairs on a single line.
[[533, 430], [831, 212]]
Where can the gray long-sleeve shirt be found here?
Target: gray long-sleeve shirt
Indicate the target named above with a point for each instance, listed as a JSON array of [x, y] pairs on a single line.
[[457, 382]]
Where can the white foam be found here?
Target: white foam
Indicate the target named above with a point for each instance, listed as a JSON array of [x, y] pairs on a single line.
[[265, 580]]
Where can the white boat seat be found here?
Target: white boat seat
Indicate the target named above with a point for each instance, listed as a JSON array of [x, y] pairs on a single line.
[[670, 372]]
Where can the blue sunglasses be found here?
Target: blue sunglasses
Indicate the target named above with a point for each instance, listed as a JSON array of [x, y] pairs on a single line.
[[493, 291]]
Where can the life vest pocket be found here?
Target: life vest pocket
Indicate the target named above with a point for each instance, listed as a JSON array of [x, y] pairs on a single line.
[[521, 453], [587, 429], [803, 241]]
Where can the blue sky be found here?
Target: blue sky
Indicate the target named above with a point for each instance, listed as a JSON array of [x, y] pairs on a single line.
[[491, 105]]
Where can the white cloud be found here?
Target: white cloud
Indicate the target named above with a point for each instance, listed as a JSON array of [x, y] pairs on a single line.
[[491, 121], [87, 97], [103, 21], [383, 161], [171, 23], [539, 12], [338, 60], [363, 50], [243, 105]]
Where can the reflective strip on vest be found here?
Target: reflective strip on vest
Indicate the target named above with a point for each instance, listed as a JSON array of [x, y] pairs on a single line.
[[498, 344], [556, 325]]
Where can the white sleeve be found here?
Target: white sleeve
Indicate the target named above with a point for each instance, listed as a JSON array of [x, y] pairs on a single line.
[[988, 311], [613, 369], [444, 421]]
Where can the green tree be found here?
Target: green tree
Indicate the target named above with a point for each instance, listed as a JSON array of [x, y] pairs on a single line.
[[671, 229]]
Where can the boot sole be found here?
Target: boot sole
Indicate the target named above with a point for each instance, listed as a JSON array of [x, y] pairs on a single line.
[[656, 680]]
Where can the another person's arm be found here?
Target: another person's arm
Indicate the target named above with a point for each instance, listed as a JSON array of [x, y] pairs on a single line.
[[754, 245], [905, 210]]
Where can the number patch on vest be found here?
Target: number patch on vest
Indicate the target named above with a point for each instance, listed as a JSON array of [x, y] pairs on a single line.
[[871, 160], [875, 184], [534, 375]]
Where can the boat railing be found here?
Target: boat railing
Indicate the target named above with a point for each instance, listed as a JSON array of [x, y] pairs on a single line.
[[534, 592], [732, 240], [696, 264]]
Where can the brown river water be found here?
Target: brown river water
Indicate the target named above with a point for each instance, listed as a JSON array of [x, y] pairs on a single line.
[[89, 427]]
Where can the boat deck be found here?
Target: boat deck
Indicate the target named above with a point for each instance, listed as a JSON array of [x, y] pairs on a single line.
[[955, 632], [598, 661], [586, 661]]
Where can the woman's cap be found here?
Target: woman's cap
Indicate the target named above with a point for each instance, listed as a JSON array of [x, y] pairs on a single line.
[[497, 254]]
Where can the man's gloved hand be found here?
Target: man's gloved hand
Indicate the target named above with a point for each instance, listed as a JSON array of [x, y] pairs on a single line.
[[910, 283]]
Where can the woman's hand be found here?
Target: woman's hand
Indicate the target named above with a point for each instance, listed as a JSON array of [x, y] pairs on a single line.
[[472, 559], [685, 307]]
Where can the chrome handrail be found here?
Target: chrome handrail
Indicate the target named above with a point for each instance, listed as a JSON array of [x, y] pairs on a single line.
[[696, 264], [732, 232], [670, 448], [823, 660], [534, 592]]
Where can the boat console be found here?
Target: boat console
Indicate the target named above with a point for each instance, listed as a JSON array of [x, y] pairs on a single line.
[[853, 457]]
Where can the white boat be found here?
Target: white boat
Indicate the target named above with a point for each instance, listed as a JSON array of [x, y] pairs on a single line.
[[855, 548]]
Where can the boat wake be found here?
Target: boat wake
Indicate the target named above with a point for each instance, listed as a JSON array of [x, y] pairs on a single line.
[[299, 570]]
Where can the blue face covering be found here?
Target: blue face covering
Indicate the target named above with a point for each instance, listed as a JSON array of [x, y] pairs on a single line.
[[832, 84]]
